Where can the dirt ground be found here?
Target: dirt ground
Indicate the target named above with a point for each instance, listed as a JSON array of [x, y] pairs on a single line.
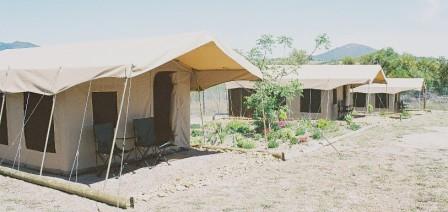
[[395, 166]]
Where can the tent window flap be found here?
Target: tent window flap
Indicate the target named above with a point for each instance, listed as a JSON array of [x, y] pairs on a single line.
[[38, 114]]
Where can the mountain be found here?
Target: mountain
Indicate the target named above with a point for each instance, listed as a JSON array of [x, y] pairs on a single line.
[[348, 50], [16, 45]]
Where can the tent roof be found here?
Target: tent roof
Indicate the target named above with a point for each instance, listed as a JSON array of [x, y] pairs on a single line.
[[50, 70], [240, 84], [326, 77], [394, 85]]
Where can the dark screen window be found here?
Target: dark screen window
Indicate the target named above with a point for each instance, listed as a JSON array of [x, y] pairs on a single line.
[[310, 101], [359, 99], [381, 100]]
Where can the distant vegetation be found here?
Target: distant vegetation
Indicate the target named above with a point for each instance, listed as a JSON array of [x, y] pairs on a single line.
[[433, 70]]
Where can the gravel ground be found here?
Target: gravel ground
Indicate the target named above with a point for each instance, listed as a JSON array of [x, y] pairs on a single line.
[[395, 166]]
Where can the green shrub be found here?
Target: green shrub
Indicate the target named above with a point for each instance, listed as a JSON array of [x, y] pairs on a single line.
[[369, 108], [354, 126], [195, 126], [323, 124], [316, 133], [244, 143], [282, 115], [196, 132], [300, 131], [305, 123], [286, 134], [272, 144], [293, 141], [348, 119], [215, 133], [273, 135], [239, 127]]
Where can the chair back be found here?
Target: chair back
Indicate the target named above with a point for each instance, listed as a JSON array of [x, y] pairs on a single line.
[[104, 135], [144, 132]]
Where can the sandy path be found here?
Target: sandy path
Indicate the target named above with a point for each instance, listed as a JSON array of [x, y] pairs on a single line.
[[396, 166]]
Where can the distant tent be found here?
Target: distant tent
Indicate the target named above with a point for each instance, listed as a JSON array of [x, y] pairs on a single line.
[[157, 74], [329, 83], [387, 96]]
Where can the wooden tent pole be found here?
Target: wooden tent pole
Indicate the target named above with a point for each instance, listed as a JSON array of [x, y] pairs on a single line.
[[48, 134]]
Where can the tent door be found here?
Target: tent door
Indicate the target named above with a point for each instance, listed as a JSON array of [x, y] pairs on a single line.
[[163, 88]]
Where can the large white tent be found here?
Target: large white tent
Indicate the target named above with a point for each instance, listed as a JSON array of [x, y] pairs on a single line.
[[387, 96], [133, 71]]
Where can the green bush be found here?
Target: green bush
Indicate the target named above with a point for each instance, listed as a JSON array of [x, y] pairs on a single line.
[[369, 108], [293, 141], [239, 127], [244, 143], [272, 144], [323, 124], [195, 126], [316, 133], [354, 126], [286, 134], [196, 132], [273, 135], [305, 123], [301, 131], [348, 119]]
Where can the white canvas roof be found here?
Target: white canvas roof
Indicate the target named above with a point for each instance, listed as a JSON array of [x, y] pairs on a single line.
[[240, 84], [393, 86], [50, 70], [326, 77]]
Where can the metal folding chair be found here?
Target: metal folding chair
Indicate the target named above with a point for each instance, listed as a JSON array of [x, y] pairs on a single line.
[[104, 135], [145, 140]]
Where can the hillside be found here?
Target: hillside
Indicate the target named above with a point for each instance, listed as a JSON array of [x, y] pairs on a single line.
[[16, 45], [348, 50]]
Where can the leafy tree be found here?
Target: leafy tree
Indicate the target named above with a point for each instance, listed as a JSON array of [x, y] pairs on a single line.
[[321, 41], [297, 57], [285, 42]]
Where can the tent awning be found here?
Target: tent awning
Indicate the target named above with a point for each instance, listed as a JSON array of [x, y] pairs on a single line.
[[393, 86], [325, 77], [50, 70]]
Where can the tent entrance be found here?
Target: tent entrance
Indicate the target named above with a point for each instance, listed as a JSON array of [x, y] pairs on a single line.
[[163, 88]]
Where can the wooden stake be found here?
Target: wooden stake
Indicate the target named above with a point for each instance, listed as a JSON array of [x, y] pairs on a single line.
[[278, 155]]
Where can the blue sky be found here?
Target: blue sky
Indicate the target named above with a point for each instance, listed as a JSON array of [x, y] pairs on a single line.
[[415, 26]]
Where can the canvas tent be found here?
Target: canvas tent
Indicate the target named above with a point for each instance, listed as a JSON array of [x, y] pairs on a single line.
[[91, 82], [386, 97], [237, 91], [325, 87]]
